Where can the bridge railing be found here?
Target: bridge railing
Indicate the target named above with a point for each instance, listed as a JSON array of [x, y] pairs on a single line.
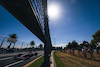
[[38, 7]]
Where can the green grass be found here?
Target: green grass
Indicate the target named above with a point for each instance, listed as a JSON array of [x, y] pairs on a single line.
[[58, 61], [37, 63]]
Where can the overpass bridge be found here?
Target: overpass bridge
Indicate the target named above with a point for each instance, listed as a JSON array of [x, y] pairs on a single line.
[[33, 15]]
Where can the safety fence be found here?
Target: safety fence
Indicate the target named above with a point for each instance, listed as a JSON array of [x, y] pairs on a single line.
[[8, 44]]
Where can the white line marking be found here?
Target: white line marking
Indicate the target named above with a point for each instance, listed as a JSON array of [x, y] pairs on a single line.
[[13, 63], [5, 58]]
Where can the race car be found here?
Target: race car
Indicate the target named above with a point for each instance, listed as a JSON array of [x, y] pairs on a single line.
[[24, 56], [32, 54], [21, 57]]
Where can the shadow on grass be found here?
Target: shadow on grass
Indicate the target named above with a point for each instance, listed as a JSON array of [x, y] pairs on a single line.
[[43, 64], [92, 58]]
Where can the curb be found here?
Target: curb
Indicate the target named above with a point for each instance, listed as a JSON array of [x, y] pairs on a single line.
[[54, 61], [53, 64]]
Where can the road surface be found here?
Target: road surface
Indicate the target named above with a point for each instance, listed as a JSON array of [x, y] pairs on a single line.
[[6, 60]]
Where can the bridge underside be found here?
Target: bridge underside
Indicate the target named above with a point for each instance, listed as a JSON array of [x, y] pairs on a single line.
[[22, 10]]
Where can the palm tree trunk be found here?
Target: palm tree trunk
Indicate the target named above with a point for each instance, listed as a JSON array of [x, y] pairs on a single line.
[[2, 42], [9, 45], [14, 45]]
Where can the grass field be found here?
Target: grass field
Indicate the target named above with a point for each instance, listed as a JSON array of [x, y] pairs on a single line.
[[37, 63], [80, 54], [66, 60], [57, 60]]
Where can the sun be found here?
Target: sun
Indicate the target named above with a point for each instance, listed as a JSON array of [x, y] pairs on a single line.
[[53, 11]]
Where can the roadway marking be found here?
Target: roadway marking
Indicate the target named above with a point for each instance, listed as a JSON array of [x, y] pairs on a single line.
[[5, 58], [32, 61], [13, 63]]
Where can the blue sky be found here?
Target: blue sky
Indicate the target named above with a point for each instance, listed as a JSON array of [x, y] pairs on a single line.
[[10, 25], [78, 20]]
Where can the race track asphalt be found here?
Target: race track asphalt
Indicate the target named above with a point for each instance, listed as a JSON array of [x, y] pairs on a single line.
[[6, 60]]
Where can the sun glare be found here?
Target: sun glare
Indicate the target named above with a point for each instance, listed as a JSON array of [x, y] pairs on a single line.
[[53, 11]]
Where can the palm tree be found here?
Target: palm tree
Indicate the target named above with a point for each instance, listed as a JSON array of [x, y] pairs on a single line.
[[32, 43], [40, 46], [14, 43], [12, 39]]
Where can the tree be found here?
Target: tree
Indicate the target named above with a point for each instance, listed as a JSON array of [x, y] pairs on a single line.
[[14, 43], [84, 44], [87, 46], [32, 43], [93, 43], [96, 38], [12, 39], [74, 45], [69, 46], [40, 46], [81, 45]]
